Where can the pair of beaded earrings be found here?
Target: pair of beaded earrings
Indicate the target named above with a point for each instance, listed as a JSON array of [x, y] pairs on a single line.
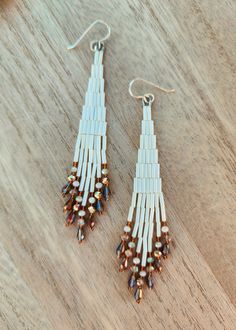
[[145, 240]]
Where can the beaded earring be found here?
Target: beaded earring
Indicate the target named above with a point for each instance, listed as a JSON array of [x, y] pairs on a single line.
[[145, 240], [88, 183]]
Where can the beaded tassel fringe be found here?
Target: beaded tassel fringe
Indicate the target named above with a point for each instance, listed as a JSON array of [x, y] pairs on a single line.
[[145, 241], [88, 184]]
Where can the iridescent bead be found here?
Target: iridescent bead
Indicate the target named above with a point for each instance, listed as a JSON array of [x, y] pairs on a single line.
[[123, 265], [81, 213], [165, 250], [105, 181], [99, 206], [73, 192], [70, 218], [80, 235], [106, 193], [79, 199], [132, 281], [127, 229], [134, 269], [92, 200], [128, 253], [81, 222], [76, 184], [157, 254], [105, 171], [140, 281], [131, 245], [158, 245], [150, 259], [158, 265], [74, 217], [136, 261], [76, 207], [120, 249], [142, 273], [149, 281], [164, 229], [92, 224], [71, 178], [98, 195], [150, 269], [138, 295], [74, 169], [98, 185], [91, 209]]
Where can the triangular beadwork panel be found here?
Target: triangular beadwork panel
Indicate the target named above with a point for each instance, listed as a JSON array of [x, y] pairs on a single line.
[[145, 240], [88, 184]]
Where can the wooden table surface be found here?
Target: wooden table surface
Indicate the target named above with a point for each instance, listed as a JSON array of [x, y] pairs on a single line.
[[48, 281]]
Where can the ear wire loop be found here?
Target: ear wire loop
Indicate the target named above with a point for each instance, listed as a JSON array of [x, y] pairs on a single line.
[[94, 43], [148, 97]]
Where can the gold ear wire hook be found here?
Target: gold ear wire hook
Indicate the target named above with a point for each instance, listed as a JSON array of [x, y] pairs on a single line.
[[148, 95], [98, 21]]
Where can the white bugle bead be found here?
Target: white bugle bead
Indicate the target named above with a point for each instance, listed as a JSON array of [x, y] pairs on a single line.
[[162, 206], [130, 214], [158, 222], [137, 217], [139, 245], [77, 149]]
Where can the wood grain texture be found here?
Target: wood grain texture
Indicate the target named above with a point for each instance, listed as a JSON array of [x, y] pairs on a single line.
[[46, 280]]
